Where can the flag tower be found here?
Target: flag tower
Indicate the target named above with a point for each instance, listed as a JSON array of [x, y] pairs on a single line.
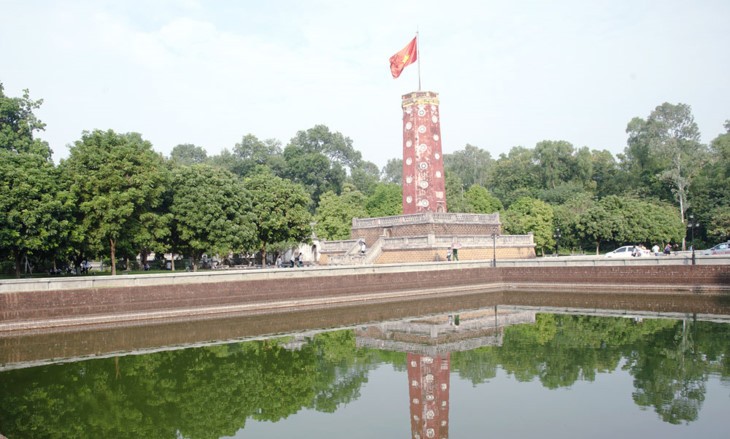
[[424, 188]]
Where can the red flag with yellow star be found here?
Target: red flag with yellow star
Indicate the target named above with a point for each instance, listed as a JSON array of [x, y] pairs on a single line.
[[408, 55]]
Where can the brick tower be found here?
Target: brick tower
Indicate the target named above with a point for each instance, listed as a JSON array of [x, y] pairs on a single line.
[[423, 164]]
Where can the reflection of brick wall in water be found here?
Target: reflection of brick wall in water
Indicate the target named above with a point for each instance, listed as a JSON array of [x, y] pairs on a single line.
[[428, 390], [423, 166]]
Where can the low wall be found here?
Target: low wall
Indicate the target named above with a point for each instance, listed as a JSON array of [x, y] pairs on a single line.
[[148, 297]]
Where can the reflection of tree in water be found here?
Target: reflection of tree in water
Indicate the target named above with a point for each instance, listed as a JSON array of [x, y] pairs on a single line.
[[670, 375], [209, 392], [191, 393], [669, 367]]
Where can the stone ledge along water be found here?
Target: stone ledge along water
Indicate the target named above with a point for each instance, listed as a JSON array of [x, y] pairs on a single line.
[[62, 303]]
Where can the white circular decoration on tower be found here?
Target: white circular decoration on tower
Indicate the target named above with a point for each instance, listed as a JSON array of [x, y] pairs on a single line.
[[409, 179], [437, 155], [421, 112], [422, 147], [423, 184], [434, 119], [409, 199], [438, 174], [409, 161], [422, 129], [409, 125], [422, 165], [423, 203], [409, 143], [436, 137]]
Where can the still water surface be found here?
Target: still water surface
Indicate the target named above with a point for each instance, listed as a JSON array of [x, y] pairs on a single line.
[[507, 374]]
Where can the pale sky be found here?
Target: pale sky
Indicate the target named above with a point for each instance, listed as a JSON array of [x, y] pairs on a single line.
[[508, 73]]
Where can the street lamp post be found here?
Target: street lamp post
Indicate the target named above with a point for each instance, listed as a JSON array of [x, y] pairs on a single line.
[[557, 237], [494, 250], [692, 224]]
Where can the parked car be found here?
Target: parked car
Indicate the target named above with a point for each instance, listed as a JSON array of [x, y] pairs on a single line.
[[720, 249], [627, 251]]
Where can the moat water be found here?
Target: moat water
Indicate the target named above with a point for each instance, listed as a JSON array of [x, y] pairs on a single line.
[[493, 372]]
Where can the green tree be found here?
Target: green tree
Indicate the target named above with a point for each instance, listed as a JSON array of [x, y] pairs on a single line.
[[280, 210], [514, 175], [18, 123], [607, 176], [455, 197], [386, 200], [480, 200], [719, 227], [623, 220], [365, 177], [212, 212], [598, 224], [335, 213], [528, 215], [472, 165], [555, 162], [668, 146], [313, 170], [35, 208], [188, 154], [251, 153], [116, 179], [392, 172], [336, 147], [566, 217]]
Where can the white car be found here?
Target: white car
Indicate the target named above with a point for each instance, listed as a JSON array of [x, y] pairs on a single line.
[[627, 251], [719, 249]]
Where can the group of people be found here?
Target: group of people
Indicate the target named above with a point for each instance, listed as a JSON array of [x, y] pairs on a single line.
[[452, 254], [655, 249], [294, 261]]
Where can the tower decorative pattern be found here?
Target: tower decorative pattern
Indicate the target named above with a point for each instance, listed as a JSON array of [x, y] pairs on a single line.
[[423, 165], [428, 379]]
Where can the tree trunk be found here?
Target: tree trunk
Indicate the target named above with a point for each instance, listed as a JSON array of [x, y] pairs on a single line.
[[18, 261], [113, 247], [598, 248], [263, 255]]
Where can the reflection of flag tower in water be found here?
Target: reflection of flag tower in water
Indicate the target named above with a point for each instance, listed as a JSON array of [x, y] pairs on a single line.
[[428, 343], [428, 378]]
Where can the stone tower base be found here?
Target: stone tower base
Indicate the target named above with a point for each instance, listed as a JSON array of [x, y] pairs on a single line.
[[426, 237]]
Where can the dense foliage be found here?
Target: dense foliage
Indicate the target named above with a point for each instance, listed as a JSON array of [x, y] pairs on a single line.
[[116, 197]]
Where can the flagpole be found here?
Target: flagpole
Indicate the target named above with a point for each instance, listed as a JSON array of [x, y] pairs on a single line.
[[418, 56]]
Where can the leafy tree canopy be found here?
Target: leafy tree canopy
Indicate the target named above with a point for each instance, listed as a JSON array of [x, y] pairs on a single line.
[[280, 209], [188, 154], [18, 123], [528, 215], [386, 200], [335, 213], [213, 212], [116, 178]]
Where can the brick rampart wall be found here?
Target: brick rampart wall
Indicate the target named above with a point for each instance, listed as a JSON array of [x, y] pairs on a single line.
[[465, 254], [371, 234], [38, 305]]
